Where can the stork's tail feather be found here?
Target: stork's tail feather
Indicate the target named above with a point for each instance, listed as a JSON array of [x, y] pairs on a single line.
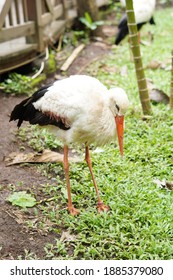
[[123, 30], [19, 112], [121, 35], [25, 111], [152, 21]]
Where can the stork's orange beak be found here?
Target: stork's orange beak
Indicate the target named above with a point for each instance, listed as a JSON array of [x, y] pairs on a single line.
[[120, 131]]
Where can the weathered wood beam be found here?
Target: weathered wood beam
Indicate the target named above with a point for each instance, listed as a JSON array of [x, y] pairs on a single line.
[[14, 32], [4, 12]]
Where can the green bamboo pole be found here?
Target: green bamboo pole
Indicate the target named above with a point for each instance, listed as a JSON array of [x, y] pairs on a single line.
[[171, 88], [135, 47]]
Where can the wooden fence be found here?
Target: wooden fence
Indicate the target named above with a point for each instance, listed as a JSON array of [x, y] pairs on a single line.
[[26, 26]]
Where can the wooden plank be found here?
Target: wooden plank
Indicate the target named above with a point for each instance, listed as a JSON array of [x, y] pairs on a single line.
[[25, 10], [16, 51], [17, 4], [65, 4], [39, 12], [29, 7], [40, 41], [23, 30], [50, 7], [10, 16], [58, 11], [45, 19], [64, 9], [21, 11], [53, 31], [4, 12], [17, 57], [13, 14]]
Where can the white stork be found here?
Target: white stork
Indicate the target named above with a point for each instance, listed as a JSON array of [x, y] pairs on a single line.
[[143, 9], [80, 109]]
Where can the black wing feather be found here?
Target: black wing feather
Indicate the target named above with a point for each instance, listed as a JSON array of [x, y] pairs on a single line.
[[25, 111], [152, 21], [123, 30]]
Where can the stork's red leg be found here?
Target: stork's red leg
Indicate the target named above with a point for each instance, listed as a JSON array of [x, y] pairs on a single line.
[[71, 208], [100, 205]]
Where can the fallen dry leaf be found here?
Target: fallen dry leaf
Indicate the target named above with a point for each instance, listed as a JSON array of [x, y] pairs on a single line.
[[164, 184], [157, 95], [20, 217], [66, 236], [45, 156], [154, 64], [109, 69]]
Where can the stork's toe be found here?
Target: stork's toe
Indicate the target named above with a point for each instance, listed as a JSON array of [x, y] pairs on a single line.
[[73, 211], [102, 207]]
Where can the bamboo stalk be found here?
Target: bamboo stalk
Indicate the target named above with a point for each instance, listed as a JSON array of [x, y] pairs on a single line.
[[135, 47]]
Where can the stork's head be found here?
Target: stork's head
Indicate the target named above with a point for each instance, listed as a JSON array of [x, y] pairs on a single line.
[[118, 104]]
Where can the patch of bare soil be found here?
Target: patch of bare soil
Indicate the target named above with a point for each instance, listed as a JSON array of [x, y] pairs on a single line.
[[15, 237]]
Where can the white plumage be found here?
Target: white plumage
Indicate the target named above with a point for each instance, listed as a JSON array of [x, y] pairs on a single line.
[[79, 109], [143, 10], [86, 106]]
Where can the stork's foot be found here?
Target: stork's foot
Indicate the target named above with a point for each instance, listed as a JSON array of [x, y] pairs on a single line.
[[73, 211], [102, 207]]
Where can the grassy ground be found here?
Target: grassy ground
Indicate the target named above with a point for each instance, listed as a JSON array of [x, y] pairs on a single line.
[[139, 224]]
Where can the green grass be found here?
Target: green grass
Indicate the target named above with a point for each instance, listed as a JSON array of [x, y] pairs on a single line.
[[139, 224]]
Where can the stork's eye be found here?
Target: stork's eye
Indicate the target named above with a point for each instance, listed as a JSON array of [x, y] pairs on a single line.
[[118, 108]]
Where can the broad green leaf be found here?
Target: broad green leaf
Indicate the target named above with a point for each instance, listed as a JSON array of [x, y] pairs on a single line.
[[85, 22], [99, 22], [88, 18], [22, 199]]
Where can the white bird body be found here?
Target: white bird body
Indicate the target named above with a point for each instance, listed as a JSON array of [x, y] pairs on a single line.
[[79, 109], [143, 10], [85, 105]]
